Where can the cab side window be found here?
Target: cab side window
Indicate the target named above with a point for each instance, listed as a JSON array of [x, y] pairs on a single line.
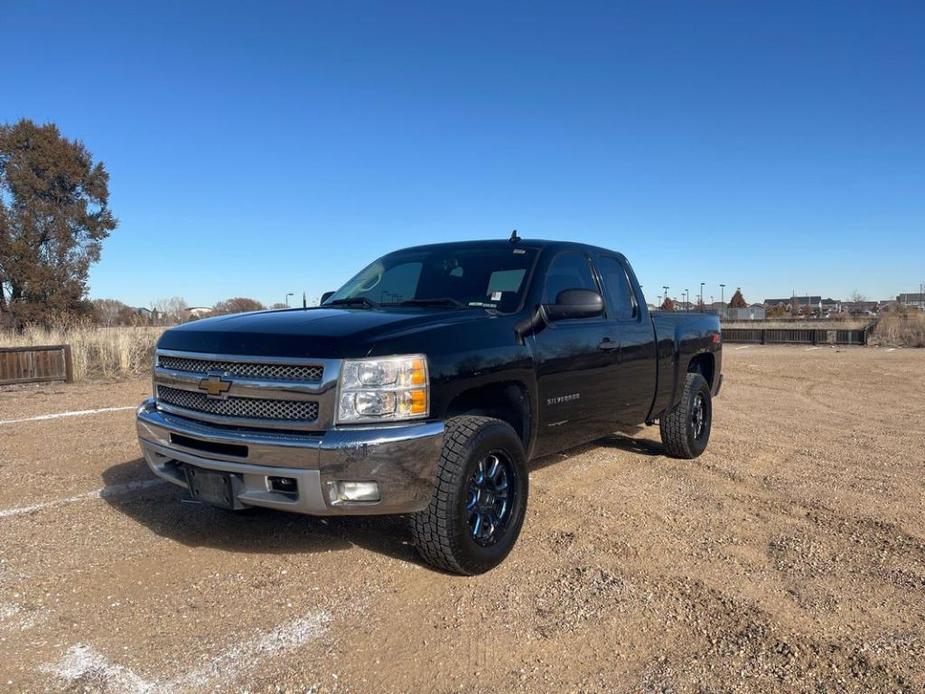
[[569, 270], [621, 304]]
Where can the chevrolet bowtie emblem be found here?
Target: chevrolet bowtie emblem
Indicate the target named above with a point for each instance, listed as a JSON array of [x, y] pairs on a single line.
[[214, 386]]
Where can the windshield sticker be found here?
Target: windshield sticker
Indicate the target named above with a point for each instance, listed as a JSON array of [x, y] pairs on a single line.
[[496, 296]]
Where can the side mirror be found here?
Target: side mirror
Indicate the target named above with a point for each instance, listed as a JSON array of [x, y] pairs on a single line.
[[326, 296], [575, 303]]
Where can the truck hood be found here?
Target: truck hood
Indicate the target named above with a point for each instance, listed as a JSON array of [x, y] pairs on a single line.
[[324, 333]]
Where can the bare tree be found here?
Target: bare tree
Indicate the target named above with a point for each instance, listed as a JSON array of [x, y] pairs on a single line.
[[238, 304], [172, 310], [109, 312]]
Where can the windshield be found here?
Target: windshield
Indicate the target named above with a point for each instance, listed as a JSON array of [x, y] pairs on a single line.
[[468, 276]]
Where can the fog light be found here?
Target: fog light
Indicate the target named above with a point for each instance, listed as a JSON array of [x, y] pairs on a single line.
[[286, 485], [356, 491]]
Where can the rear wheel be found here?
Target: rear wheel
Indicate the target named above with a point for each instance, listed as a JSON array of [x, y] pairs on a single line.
[[686, 429], [478, 506]]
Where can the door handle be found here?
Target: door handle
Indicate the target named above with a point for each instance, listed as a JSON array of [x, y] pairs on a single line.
[[608, 345]]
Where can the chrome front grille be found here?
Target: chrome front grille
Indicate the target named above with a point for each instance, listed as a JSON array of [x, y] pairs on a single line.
[[267, 371], [283, 393], [244, 408]]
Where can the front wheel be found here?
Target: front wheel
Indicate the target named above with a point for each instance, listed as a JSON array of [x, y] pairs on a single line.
[[686, 429], [478, 506]]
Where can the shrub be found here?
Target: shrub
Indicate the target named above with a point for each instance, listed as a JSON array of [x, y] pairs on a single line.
[[900, 330]]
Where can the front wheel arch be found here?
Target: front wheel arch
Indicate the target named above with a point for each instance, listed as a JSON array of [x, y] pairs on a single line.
[[442, 531]]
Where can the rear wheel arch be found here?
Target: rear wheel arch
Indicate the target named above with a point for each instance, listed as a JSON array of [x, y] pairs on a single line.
[[704, 364]]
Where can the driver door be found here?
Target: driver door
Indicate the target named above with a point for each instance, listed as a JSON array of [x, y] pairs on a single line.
[[576, 362]]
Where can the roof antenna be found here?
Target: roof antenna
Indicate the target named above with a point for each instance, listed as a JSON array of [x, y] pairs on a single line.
[[514, 237]]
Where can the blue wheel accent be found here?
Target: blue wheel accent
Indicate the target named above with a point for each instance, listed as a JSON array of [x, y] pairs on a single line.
[[489, 498]]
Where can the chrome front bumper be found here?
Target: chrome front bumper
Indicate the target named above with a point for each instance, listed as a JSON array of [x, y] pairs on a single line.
[[401, 459]]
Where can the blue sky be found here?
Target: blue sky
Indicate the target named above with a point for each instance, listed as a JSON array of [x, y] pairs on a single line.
[[260, 148]]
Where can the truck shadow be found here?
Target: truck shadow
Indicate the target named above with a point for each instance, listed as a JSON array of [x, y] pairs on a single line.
[[168, 512]]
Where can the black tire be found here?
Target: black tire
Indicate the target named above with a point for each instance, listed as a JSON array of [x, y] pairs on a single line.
[[445, 532], [683, 434]]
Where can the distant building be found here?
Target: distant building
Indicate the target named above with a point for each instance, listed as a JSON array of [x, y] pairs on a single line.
[[912, 300], [860, 308], [797, 303], [753, 312], [199, 311]]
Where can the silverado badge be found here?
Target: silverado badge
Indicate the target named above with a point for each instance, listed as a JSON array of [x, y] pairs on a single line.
[[214, 386]]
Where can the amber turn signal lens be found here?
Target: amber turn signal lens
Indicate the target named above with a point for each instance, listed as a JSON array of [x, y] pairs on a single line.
[[418, 402], [418, 375]]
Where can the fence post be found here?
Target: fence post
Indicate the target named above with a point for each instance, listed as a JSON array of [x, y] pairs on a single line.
[[68, 365], [763, 331]]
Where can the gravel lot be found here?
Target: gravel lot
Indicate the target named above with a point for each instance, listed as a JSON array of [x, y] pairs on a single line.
[[790, 556]]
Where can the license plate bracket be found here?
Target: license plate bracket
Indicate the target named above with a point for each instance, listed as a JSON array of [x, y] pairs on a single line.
[[210, 487]]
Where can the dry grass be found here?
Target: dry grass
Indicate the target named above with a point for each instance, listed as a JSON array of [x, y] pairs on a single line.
[[97, 352], [898, 330]]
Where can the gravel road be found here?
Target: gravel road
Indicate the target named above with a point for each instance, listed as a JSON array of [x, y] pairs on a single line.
[[791, 555]]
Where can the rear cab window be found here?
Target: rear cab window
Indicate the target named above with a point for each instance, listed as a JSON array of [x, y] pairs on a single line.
[[618, 292]]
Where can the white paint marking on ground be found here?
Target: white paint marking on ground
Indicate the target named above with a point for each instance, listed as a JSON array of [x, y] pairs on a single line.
[[115, 490], [83, 663], [810, 349], [86, 663], [77, 413], [243, 657], [891, 349], [743, 347], [13, 618]]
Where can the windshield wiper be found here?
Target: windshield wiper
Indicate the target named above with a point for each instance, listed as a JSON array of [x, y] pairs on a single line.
[[354, 301], [437, 301]]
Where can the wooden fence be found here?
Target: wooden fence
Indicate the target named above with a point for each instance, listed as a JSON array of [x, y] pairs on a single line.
[[35, 364], [795, 336]]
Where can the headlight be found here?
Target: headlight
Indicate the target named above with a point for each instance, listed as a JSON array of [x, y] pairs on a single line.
[[383, 389]]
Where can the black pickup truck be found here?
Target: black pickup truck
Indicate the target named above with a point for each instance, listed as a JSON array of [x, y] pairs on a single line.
[[424, 385]]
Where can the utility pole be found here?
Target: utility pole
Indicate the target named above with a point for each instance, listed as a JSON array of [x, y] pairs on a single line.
[[687, 301], [665, 287]]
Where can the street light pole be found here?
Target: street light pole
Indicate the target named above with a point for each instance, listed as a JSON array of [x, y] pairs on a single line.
[[701, 295], [722, 298], [287, 298]]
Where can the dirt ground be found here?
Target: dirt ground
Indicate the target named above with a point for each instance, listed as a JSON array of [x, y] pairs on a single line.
[[791, 555]]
